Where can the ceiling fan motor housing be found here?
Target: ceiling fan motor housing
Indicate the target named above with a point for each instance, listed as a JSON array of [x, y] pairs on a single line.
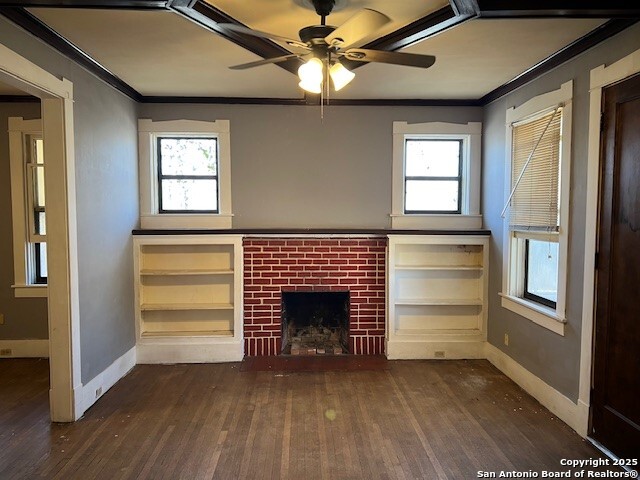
[[315, 34]]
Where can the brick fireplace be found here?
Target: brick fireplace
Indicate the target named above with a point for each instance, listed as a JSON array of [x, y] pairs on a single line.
[[276, 265]]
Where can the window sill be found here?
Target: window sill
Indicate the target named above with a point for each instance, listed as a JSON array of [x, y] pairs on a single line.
[[435, 221], [186, 221], [538, 314], [30, 291]]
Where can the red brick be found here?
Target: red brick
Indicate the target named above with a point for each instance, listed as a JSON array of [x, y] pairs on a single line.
[[269, 274], [261, 334], [261, 281], [262, 320], [261, 255]]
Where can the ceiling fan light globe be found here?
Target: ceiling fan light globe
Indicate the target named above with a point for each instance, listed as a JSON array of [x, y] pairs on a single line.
[[311, 71], [310, 86], [340, 76]]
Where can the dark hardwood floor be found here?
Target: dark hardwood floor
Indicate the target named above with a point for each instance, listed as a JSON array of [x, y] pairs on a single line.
[[407, 420]]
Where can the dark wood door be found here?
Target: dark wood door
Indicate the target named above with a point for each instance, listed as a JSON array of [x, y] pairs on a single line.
[[616, 394]]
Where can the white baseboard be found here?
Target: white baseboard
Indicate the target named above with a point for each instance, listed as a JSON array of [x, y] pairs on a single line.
[[86, 395], [421, 350], [35, 348], [574, 415], [190, 353]]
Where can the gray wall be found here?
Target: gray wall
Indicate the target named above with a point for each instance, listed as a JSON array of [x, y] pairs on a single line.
[[24, 318], [290, 169], [107, 203], [551, 357]]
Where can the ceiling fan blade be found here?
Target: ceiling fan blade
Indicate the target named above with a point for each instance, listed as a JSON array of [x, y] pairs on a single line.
[[266, 61], [359, 26], [257, 33], [395, 58]]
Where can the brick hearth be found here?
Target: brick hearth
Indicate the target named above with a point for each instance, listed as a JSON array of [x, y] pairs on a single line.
[[274, 265]]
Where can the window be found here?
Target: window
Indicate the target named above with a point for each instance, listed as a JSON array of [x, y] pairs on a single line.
[[432, 176], [188, 174], [436, 175], [185, 174], [538, 135], [27, 163]]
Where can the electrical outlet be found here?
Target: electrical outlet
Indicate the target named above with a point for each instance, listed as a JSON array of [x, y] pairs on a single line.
[[5, 352], [98, 392], [506, 339], [438, 354]]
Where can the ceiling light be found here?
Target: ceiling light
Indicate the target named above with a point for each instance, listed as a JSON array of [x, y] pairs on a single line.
[[310, 74], [340, 75]]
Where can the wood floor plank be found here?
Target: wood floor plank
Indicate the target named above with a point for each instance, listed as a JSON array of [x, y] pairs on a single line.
[[399, 420]]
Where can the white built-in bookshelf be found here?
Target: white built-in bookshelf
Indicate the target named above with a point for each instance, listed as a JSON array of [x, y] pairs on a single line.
[[437, 296], [188, 291]]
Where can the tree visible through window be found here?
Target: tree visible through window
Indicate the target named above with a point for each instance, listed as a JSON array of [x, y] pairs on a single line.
[[187, 175]]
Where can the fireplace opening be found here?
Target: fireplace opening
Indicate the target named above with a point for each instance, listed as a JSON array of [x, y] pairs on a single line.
[[315, 323]]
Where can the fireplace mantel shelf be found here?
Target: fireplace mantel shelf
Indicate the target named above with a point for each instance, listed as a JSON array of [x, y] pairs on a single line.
[[310, 232]]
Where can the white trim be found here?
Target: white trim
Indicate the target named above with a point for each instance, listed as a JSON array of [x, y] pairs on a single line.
[[18, 129], [601, 77], [191, 350], [510, 270], [539, 314], [470, 133], [412, 349], [34, 348], [63, 307], [90, 393], [574, 415], [148, 131], [445, 222], [30, 291]]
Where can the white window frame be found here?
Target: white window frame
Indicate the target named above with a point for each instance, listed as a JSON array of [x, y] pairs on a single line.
[[148, 133], [513, 255], [23, 261], [470, 135]]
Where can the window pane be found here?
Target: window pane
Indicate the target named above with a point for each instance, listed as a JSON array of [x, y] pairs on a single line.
[[41, 224], [432, 158], [188, 156], [41, 262], [38, 186], [432, 195], [542, 269], [39, 151], [190, 195]]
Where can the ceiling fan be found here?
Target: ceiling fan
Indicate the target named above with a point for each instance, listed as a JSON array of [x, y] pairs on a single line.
[[326, 48]]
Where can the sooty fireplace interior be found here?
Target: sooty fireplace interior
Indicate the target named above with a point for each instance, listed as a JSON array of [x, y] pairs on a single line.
[[315, 323]]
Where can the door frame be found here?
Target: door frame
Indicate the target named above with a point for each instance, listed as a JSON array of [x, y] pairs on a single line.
[[601, 77], [56, 97]]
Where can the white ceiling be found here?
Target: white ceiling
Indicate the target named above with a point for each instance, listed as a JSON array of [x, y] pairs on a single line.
[[162, 53]]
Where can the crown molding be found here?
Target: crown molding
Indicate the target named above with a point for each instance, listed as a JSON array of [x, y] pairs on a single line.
[[101, 4], [612, 9]]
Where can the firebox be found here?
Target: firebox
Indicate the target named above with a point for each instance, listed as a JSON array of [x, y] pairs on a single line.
[[315, 323]]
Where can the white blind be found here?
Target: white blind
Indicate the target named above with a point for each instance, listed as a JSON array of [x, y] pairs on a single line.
[[534, 205]]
